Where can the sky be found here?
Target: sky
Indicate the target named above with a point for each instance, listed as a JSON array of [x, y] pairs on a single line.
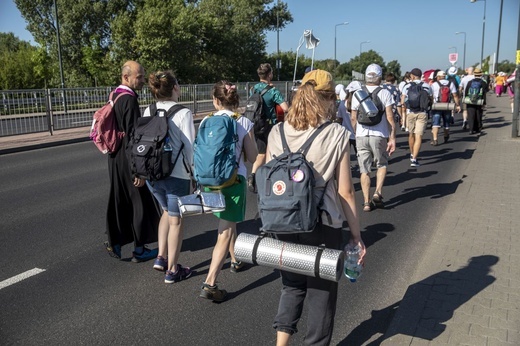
[[416, 33]]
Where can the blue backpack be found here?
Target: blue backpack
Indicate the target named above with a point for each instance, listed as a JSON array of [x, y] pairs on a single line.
[[286, 199], [214, 159]]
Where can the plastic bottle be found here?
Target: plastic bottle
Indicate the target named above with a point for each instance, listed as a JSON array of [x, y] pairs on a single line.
[[167, 144], [366, 102], [352, 268]]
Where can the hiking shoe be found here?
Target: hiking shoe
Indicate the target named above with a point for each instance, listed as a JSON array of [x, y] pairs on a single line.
[[212, 293], [146, 255], [251, 183], [160, 263], [113, 251], [236, 266], [434, 142], [181, 274], [414, 163]]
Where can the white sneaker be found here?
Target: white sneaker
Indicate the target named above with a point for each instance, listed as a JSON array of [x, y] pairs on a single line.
[[414, 163]]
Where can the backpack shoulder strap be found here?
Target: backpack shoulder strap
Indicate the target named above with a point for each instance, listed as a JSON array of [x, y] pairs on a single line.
[[173, 110], [307, 143], [153, 109], [303, 149], [118, 96], [266, 89], [376, 90]]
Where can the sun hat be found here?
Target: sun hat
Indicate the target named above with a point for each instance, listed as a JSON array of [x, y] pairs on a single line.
[[477, 72], [441, 73], [452, 70]]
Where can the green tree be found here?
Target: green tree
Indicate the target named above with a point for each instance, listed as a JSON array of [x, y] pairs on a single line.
[[18, 65], [395, 68], [202, 41]]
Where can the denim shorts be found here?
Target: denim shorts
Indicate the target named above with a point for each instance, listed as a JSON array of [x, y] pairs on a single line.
[[441, 115], [167, 192]]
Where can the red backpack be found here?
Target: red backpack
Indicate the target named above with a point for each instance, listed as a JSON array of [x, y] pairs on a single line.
[[104, 131], [444, 93]]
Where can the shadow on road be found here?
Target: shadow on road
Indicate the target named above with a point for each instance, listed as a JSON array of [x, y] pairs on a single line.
[[427, 304]]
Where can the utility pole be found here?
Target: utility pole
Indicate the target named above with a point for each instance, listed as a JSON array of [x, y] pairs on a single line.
[[516, 107]]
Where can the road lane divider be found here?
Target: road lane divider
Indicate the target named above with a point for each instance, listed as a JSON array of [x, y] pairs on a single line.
[[20, 277]]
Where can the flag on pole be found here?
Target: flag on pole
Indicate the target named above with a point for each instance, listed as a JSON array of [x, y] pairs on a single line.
[[311, 42]]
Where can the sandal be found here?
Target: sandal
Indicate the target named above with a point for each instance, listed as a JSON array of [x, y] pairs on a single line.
[[367, 206], [378, 200]]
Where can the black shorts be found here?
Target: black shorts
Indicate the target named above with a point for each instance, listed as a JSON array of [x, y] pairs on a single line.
[[261, 143]]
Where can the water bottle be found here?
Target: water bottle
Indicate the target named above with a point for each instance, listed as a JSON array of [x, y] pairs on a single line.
[[352, 268], [366, 102], [167, 144]]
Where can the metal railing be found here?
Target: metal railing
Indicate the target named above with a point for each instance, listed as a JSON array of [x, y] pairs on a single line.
[[40, 110]]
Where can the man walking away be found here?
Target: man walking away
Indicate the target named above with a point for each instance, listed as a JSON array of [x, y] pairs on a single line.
[[271, 98], [416, 99], [444, 91], [462, 86], [374, 143]]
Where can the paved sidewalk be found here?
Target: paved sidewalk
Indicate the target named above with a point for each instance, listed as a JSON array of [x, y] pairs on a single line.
[[466, 288]]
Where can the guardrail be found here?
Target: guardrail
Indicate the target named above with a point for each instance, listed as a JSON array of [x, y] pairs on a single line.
[[40, 110]]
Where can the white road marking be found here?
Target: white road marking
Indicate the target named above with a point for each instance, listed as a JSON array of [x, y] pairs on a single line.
[[20, 277]]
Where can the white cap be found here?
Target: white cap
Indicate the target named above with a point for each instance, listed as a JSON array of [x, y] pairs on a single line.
[[374, 68], [353, 86]]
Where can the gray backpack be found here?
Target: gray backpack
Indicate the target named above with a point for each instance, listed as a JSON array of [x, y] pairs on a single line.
[[286, 200]]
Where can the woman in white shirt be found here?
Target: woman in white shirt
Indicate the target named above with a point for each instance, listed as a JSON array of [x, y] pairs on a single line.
[[181, 133]]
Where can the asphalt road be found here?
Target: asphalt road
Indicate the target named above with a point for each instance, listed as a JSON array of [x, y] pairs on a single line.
[[52, 209]]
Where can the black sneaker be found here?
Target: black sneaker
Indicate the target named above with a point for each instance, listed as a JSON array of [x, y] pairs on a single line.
[[251, 183], [212, 293], [414, 163]]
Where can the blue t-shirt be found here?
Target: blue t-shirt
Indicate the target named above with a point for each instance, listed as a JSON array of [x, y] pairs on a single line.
[[272, 97]]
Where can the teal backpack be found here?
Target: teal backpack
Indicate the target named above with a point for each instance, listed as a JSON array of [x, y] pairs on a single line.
[[214, 159]]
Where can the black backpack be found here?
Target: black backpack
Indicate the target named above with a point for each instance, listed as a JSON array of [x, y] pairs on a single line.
[[286, 200], [366, 119], [418, 98], [149, 148], [256, 112]]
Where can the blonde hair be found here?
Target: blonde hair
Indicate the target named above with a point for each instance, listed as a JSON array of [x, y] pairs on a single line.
[[310, 108]]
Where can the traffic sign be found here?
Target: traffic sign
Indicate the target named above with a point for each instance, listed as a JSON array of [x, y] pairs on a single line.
[[452, 57]]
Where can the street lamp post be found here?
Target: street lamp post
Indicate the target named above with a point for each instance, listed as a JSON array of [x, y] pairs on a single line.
[[498, 40], [483, 31], [361, 46], [464, 58], [335, 27]]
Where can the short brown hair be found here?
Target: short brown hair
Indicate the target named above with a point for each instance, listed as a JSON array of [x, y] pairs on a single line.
[[264, 70]]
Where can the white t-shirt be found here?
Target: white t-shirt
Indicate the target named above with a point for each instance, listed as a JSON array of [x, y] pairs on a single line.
[[181, 131], [244, 125], [436, 88], [383, 128]]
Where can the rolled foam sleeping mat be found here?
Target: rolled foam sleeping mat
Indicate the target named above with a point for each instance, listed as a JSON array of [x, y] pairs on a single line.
[[315, 261]]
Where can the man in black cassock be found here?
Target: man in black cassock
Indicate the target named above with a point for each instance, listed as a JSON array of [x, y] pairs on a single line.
[[132, 214]]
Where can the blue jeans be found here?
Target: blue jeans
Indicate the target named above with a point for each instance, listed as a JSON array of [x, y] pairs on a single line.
[[167, 192], [441, 115], [321, 295]]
